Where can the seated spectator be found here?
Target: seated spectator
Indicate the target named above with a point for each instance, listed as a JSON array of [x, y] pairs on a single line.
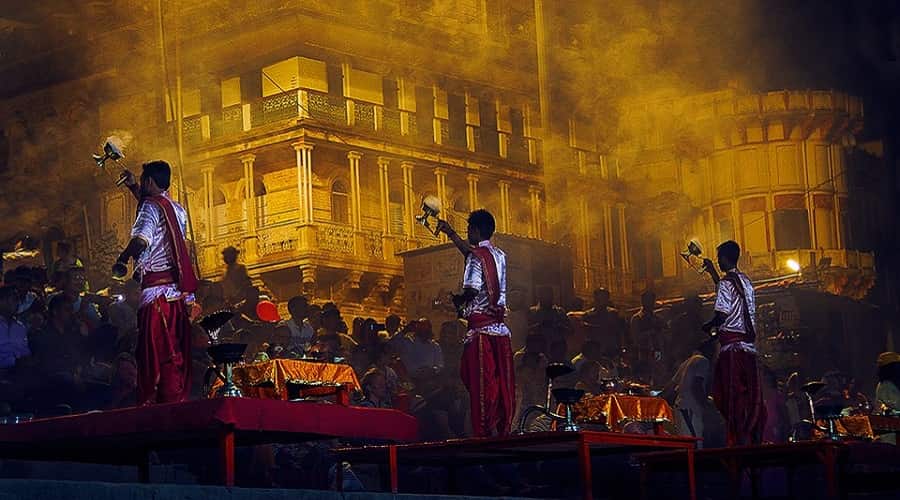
[[588, 377], [557, 352], [690, 387], [124, 382], [98, 373], [301, 331], [775, 429], [591, 350], [531, 380], [86, 313], [281, 337], [392, 325], [29, 302], [534, 343], [384, 358], [420, 353], [375, 390], [327, 347], [331, 326], [123, 313], [66, 258], [59, 345], [547, 318], [453, 335], [315, 317], [235, 281], [13, 338]]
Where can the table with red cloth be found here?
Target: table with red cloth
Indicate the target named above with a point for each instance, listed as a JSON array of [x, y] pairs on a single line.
[[863, 426], [126, 436], [617, 410], [270, 379]]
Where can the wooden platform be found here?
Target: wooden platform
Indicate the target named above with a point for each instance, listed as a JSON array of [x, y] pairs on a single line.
[[523, 448], [127, 436]]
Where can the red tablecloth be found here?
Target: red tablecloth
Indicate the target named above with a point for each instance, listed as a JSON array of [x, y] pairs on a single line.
[[269, 379], [152, 423]]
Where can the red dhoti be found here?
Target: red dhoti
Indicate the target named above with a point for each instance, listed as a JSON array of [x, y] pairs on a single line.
[[163, 352], [487, 372], [738, 397]]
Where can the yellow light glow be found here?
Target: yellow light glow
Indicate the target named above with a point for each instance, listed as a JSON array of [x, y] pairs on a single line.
[[793, 265]]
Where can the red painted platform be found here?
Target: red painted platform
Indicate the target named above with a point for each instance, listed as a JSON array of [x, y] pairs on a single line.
[[126, 436], [523, 448]]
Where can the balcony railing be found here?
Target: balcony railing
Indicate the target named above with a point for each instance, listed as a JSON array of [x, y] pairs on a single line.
[[287, 241], [340, 111]]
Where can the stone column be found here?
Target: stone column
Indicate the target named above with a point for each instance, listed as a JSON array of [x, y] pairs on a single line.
[[249, 193], [623, 234], [610, 260], [384, 194], [304, 180], [534, 197], [472, 180], [584, 243], [250, 242], [440, 178], [504, 206], [355, 218], [409, 213], [209, 203]]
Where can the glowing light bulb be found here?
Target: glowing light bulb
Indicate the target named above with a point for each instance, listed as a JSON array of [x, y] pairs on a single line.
[[793, 265]]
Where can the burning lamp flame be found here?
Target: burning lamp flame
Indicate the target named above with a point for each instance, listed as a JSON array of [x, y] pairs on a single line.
[[793, 265], [112, 150], [431, 207]]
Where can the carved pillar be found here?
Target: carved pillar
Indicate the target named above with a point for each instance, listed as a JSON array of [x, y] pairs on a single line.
[[308, 281], [250, 242], [623, 234], [408, 199], [440, 179], [584, 243], [209, 203], [304, 180], [504, 206], [534, 198], [384, 194], [355, 217], [472, 179], [249, 193]]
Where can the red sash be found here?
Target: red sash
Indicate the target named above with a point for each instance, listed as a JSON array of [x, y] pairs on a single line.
[[495, 313], [187, 280]]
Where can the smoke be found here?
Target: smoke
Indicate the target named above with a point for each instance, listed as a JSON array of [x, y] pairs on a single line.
[[606, 59], [614, 62]]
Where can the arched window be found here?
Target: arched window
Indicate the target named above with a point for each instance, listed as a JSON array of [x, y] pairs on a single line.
[[340, 203]]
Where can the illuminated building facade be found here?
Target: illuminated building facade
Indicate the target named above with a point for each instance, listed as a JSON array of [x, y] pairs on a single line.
[[313, 160], [773, 171]]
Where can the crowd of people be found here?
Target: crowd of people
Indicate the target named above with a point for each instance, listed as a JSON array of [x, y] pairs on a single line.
[[64, 349]]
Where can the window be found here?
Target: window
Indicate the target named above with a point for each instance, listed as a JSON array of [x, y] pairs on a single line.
[[456, 106], [425, 114], [340, 203], [726, 229], [487, 111], [791, 222], [791, 229]]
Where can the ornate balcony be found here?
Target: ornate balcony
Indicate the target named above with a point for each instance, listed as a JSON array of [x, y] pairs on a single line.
[[324, 243]]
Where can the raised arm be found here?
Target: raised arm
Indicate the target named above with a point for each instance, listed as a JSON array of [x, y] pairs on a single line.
[[710, 268], [128, 180], [461, 244]]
